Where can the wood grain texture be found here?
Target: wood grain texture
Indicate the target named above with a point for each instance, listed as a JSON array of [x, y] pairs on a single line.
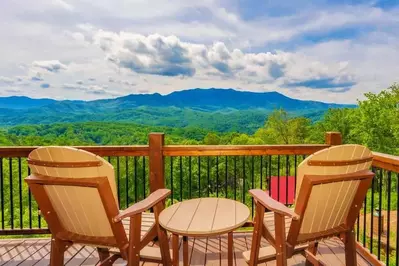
[[204, 217], [222, 150], [37, 253]]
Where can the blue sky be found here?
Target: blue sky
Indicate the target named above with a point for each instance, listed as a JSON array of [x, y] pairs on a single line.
[[332, 51]]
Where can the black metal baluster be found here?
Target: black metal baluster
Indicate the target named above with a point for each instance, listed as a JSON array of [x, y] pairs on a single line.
[[235, 177], [217, 176], [208, 175], [397, 220], [379, 215], [358, 227], [11, 194], [189, 177], [243, 179], [30, 203], [181, 177], [278, 178], [127, 181], [118, 177], [252, 182], [286, 178], [371, 214], [225, 178], [39, 218], [388, 217], [270, 175], [171, 178], [364, 221], [199, 177], [20, 192], [136, 199], [144, 178], [2, 193], [295, 166], [109, 159], [261, 172]]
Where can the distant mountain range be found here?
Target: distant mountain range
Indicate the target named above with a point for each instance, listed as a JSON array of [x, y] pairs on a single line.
[[214, 109]]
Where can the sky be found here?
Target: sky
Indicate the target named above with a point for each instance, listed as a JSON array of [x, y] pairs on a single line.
[[331, 51]]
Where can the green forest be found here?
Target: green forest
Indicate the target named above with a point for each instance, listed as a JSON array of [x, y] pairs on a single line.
[[374, 123]]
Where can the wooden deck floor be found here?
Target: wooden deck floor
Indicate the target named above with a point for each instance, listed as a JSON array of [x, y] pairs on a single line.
[[211, 251]]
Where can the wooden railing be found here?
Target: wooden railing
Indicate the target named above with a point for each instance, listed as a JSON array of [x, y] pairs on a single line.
[[198, 171]]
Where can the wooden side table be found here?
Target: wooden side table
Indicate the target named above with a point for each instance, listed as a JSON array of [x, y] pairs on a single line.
[[203, 217]]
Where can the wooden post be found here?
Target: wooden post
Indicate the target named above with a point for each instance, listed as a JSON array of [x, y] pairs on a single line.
[[333, 138], [156, 143]]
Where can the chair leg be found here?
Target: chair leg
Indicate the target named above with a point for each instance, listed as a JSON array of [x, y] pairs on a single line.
[[257, 235], [103, 254], [134, 241], [350, 248], [162, 236], [58, 248], [312, 249], [281, 244]]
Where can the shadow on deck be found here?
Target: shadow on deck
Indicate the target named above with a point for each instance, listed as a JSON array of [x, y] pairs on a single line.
[[203, 251]]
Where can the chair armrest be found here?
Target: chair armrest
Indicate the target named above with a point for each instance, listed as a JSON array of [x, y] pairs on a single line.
[[261, 197], [141, 206]]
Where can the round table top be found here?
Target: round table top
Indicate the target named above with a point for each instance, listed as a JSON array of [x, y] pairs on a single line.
[[204, 217]]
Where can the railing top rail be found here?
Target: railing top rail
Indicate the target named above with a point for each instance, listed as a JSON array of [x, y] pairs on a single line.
[[125, 150], [182, 150], [386, 161], [219, 150]]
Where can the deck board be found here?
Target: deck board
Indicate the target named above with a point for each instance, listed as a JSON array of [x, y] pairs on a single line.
[[202, 251]]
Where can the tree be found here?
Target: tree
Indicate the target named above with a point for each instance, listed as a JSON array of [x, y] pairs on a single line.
[[281, 129]]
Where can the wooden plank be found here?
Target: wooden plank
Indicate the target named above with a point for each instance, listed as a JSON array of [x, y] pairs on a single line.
[[180, 150], [229, 215], [240, 246], [203, 218], [201, 252], [34, 231], [327, 256], [223, 250], [213, 254], [27, 253], [198, 251], [9, 245], [337, 250], [222, 150], [81, 256], [125, 150], [37, 256], [333, 138], [156, 164], [16, 250], [386, 161], [248, 241], [182, 216]]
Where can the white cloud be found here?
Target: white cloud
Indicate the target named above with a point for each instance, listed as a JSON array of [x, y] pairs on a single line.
[[132, 47], [50, 65], [91, 89], [63, 4], [169, 56], [6, 80]]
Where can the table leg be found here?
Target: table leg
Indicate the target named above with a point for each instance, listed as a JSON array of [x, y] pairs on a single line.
[[230, 248], [175, 248], [185, 250]]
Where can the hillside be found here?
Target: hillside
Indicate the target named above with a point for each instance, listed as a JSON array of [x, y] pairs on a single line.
[[213, 109]]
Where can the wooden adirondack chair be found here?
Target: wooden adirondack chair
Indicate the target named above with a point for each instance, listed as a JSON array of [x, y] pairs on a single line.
[[331, 187], [76, 193]]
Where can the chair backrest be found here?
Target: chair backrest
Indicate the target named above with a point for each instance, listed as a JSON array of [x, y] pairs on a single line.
[[332, 185], [76, 193]]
